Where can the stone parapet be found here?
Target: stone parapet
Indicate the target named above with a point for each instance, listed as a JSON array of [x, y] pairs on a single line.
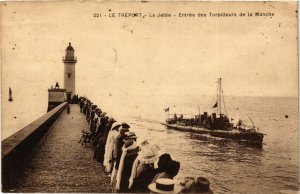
[[17, 149]]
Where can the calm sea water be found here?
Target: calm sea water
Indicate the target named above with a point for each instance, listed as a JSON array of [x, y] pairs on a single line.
[[236, 167], [231, 167]]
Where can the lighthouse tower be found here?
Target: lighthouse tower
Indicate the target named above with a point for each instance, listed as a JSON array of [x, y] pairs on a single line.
[[69, 74]]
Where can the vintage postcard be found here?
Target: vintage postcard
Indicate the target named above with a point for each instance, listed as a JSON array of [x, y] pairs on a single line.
[[149, 97]]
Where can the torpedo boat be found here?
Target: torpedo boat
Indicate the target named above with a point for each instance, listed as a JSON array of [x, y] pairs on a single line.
[[217, 124]]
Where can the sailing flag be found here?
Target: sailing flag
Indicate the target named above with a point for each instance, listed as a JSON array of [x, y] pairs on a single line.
[[216, 105], [10, 95], [167, 109]]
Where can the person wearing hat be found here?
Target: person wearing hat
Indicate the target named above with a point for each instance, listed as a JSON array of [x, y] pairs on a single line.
[[163, 162], [102, 122], [99, 151], [170, 172], [117, 150], [81, 103], [143, 170], [84, 107], [68, 109], [108, 127], [196, 185], [103, 139], [120, 142], [109, 147], [93, 121], [125, 125], [130, 135], [92, 113], [129, 153], [98, 112], [88, 109]]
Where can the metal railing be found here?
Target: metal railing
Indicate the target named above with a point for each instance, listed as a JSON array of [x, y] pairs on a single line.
[[69, 58]]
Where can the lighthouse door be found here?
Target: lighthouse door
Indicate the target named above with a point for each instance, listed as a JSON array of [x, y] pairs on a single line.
[[69, 97]]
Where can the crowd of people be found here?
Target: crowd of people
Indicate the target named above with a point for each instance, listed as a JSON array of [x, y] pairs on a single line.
[[132, 167]]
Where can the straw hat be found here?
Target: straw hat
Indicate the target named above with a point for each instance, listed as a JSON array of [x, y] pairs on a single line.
[[98, 109], [125, 125], [164, 185], [103, 114], [130, 135], [123, 131], [202, 184], [196, 185], [116, 126], [111, 119], [130, 143]]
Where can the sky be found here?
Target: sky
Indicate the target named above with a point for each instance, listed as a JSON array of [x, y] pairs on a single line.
[[148, 60]]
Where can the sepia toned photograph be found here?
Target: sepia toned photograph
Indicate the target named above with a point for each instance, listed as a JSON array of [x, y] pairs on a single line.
[[149, 97]]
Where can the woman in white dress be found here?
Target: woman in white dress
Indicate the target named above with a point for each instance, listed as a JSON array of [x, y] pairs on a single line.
[[109, 146]]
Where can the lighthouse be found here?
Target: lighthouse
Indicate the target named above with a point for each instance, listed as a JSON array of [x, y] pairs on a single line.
[[69, 73]]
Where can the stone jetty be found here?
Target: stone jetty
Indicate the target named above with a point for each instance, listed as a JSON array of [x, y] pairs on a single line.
[[61, 164]]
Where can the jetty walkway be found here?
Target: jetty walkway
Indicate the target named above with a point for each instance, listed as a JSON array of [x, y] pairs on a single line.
[[61, 164]]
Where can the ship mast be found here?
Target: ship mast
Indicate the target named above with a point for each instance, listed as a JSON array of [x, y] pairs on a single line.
[[219, 96]]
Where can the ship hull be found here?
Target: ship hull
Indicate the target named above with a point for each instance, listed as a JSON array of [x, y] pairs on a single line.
[[254, 138]]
